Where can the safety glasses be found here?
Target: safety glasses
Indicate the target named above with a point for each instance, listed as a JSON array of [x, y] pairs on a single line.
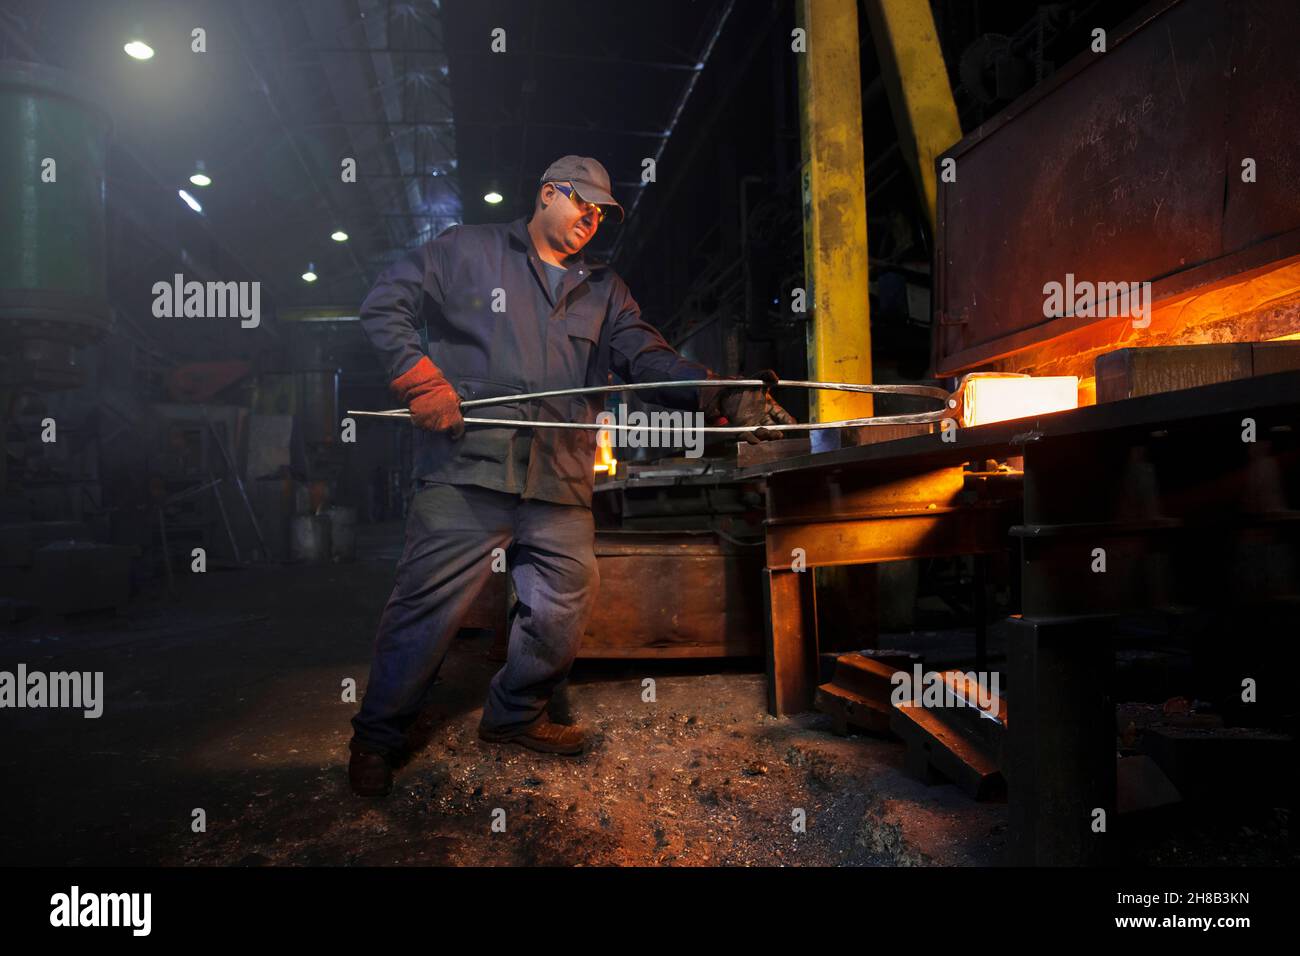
[[568, 190]]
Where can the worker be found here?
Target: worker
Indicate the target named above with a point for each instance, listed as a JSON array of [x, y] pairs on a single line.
[[509, 308]]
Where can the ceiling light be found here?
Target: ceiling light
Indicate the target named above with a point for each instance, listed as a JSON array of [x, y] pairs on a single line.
[[139, 50], [200, 175], [310, 274], [338, 235], [189, 200], [493, 197]]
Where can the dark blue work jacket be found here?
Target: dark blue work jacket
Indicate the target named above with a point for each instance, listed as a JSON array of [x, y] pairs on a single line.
[[494, 329]]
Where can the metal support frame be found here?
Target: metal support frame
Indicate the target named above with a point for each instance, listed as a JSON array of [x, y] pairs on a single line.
[[834, 204], [836, 517], [1195, 525], [1191, 517], [916, 79], [1059, 757]]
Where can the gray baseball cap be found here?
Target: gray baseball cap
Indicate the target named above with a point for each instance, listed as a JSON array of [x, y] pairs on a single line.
[[589, 178]]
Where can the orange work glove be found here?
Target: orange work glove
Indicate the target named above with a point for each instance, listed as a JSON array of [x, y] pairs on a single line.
[[434, 404], [746, 406]]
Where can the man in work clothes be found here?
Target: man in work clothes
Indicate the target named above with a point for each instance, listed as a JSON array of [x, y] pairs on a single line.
[[509, 308]]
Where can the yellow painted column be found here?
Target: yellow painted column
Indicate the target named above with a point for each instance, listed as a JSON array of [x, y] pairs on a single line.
[[834, 205], [920, 96]]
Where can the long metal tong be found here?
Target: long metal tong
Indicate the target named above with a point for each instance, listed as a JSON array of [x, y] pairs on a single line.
[[923, 391]]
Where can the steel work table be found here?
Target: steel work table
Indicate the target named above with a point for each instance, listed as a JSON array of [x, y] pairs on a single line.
[[1163, 484]]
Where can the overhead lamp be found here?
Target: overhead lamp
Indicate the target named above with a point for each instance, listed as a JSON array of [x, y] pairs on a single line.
[[138, 50], [189, 200], [200, 175], [493, 197], [310, 274], [338, 235]]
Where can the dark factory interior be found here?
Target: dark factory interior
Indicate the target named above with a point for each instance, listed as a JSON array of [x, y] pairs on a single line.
[[981, 550]]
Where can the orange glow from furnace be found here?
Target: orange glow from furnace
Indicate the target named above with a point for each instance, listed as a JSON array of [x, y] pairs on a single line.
[[606, 463]]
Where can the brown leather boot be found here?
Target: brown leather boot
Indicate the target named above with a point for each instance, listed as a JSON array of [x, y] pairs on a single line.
[[370, 775], [544, 736]]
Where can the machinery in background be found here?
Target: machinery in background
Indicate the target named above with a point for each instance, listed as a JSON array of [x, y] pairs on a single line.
[[53, 301]]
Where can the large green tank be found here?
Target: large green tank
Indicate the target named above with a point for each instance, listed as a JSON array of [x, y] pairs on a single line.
[[52, 255]]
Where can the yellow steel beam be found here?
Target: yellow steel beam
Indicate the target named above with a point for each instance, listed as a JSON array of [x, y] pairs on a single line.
[[834, 205], [911, 63]]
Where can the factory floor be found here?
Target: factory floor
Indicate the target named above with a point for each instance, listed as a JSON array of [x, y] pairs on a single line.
[[227, 698]]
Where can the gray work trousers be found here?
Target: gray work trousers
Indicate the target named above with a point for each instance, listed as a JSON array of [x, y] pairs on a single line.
[[451, 533]]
